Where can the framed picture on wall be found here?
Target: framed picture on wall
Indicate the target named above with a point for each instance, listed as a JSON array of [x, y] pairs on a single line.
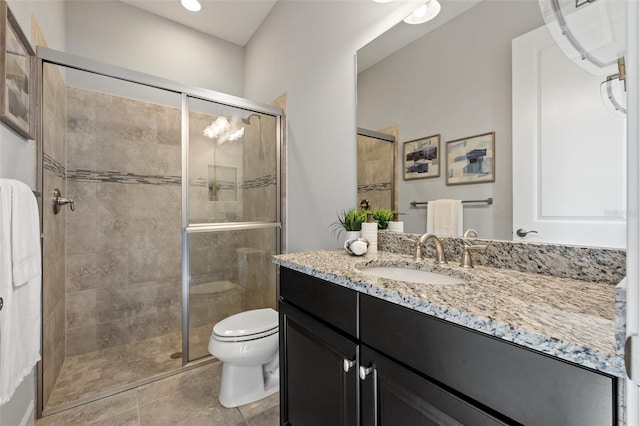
[[17, 95], [421, 158], [471, 159]]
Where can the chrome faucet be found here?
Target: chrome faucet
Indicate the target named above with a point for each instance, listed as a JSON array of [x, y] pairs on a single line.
[[441, 256]]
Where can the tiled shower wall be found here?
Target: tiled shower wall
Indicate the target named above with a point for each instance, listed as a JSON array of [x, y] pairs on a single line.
[[53, 249], [123, 240], [375, 171], [260, 201]]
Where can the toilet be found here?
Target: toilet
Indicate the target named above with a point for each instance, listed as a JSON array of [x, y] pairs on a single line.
[[247, 345]]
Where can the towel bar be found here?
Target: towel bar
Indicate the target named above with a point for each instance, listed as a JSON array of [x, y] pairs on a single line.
[[489, 201]]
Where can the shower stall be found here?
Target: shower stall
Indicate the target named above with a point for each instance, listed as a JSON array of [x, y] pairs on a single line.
[[177, 212]]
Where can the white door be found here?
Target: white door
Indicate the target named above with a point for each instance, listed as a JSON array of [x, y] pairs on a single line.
[[569, 167]]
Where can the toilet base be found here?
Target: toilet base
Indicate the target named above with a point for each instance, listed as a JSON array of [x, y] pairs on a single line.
[[242, 385]]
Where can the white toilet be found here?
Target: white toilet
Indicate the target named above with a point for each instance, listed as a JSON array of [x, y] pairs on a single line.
[[247, 345]]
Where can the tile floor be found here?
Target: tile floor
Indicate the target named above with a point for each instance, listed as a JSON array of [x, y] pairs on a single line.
[[85, 375], [189, 398]]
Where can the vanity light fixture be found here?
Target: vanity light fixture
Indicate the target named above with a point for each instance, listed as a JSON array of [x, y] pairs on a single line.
[[383, 1], [191, 5], [424, 13]]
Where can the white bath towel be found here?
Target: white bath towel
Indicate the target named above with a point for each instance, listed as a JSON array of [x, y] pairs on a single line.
[[444, 217], [20, 314], [25, 235]]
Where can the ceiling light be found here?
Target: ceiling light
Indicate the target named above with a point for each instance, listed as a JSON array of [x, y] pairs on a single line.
[[215, 129], [192, 5], [383, 1], [424, 13], [237, 134]]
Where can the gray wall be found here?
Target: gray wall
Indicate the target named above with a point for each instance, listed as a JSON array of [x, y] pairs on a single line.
[[307, 49], [19, 408], [120, 34], [455, 81], [17, 161]]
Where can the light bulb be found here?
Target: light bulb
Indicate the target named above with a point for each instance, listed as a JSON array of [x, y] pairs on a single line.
[[424, 13], [191, 5]]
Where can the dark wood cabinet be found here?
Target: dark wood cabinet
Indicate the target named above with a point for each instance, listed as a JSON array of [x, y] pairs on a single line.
[[391, 392], [351, 359], [318, 371]]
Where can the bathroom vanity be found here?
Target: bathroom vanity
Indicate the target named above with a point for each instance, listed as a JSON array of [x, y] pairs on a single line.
[[356, 349]]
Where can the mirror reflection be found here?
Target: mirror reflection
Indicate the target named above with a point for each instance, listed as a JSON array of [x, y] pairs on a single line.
[[559, 148], [376, 168]]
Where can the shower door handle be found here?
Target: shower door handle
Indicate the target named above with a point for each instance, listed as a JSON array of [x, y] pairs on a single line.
[[59, 201]]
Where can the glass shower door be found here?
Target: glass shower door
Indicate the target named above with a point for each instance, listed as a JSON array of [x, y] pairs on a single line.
[[232, 217]]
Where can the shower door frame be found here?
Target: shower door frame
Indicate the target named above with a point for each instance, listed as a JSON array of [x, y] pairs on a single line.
[[63, 59]]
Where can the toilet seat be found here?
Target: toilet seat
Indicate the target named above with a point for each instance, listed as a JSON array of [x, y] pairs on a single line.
[[249, 325]]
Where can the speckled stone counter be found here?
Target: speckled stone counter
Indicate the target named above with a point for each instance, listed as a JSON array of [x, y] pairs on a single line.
[[563, 317]]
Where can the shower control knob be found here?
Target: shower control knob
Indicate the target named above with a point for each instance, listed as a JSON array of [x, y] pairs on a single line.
[[59, 201]]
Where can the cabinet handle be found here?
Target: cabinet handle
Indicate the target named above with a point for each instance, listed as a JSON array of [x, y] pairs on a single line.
[[364, 372], [347, 364]]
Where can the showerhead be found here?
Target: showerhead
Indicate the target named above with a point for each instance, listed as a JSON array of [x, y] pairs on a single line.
[[247, 119]]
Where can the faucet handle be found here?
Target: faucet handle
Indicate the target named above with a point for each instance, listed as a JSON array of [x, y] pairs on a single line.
[[466, 261]]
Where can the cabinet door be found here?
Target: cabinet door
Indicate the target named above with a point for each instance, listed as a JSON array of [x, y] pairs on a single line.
[[318, 372], [394, 395]]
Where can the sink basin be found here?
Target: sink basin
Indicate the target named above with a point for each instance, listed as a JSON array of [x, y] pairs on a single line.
[[411, 275]]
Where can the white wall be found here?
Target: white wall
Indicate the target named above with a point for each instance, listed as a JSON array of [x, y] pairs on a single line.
[[455, 81], [122, 35], [307, 50]]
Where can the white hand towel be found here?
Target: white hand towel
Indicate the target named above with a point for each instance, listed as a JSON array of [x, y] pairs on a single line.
[[444, 217], [20, 315]]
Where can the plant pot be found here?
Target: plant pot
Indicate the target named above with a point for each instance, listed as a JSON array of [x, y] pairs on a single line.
[[351, 235]]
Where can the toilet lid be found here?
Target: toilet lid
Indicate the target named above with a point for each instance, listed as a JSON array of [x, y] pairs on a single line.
[[249, 324]]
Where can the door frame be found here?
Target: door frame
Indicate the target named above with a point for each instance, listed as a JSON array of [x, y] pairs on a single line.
[[632, 391]]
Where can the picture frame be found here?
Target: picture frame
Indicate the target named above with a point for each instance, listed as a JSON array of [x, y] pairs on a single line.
[[471, 159], [421, 158], [17, 72]]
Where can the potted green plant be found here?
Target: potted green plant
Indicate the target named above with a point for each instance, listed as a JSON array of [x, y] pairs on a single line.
[[350, 221], [383, 217], [214, 187]]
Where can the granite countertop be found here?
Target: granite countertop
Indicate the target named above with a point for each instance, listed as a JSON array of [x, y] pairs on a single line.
[[566, 318]]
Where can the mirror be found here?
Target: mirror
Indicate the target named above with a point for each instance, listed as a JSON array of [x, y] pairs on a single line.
[[456, 81]]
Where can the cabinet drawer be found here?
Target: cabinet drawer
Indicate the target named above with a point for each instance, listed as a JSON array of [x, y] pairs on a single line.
[[331, 303], [526, 386]]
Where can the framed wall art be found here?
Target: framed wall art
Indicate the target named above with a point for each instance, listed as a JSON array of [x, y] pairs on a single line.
[[471, 159], [421, 158], [17, 95]]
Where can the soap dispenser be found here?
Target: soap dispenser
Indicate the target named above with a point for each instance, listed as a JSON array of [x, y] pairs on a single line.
[[370, 233], [395, 225]]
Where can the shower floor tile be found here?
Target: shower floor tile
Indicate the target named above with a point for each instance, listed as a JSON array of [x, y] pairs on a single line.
[[188, 398], [86, 375]]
